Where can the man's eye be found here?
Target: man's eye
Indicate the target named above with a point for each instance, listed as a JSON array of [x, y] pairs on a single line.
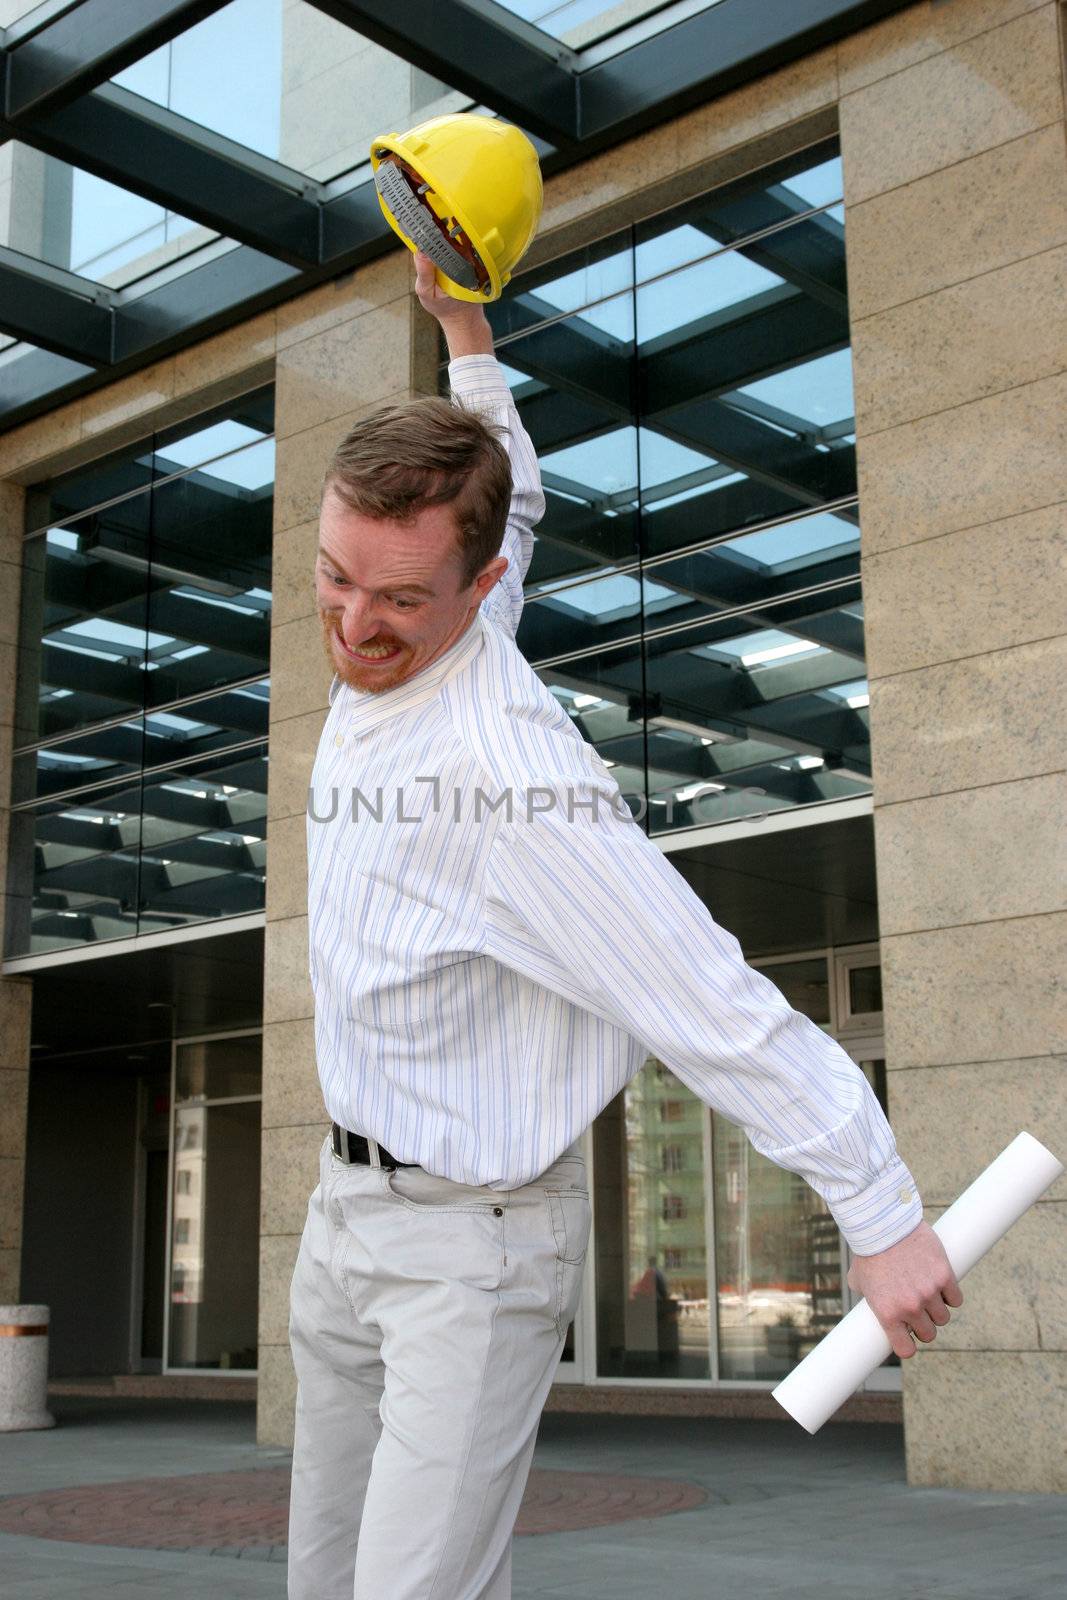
[[404, 605], [340, 582]]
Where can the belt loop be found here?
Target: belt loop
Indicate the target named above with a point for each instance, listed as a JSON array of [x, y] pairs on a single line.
[[374, 1153]]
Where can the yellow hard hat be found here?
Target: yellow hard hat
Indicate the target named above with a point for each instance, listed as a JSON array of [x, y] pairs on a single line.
[[466, 190]]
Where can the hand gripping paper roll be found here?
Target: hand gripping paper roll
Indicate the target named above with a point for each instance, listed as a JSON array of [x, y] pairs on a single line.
[[970, 1227]]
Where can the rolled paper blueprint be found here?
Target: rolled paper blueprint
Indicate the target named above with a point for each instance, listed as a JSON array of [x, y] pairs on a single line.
[[970, 1227]]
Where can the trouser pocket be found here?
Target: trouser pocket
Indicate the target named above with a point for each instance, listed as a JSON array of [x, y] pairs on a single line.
[[571, 1221]]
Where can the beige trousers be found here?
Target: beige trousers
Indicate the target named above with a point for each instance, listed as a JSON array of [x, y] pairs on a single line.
[[427, 1321]]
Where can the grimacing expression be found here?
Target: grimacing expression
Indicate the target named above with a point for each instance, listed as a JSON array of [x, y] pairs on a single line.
[[389, 594]]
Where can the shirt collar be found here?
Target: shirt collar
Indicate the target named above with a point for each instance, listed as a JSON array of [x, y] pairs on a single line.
[[362, 709]]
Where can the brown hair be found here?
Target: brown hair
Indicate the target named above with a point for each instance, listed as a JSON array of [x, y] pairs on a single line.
[[402, 458]]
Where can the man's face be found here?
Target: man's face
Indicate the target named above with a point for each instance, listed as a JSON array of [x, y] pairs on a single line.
[[389, 593]]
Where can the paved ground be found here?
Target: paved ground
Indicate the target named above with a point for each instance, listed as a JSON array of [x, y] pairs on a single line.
[[701, 1507]]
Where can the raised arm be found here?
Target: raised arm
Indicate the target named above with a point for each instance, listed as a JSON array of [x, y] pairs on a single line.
[[477, 381]]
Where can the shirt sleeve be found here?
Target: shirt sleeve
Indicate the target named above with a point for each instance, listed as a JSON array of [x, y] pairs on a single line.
[[587, 906], [478, 382]]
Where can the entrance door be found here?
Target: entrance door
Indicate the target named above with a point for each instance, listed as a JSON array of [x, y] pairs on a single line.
[[212, 1304]]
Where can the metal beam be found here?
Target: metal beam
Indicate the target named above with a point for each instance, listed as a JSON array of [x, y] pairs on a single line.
[[153, 152], [88, 44], [707, 55], [54, 310], [477, 53]]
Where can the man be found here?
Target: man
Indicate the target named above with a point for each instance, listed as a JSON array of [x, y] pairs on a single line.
[[495, 947]]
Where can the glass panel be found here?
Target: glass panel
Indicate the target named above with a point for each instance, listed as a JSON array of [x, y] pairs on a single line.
[[122, 749], [214, 1270], [73, 871], [77, 873], [314, 93], [651, 1248], [219, 1069], [760, 201], [580, 22], [204, 841], [58, 213], [599, 277], [751, 715], [805, 984], [239, 423], [864, 989], [755, 567], [743, 359], [210, 577], [778, 1259], [82, 634], [602, 695]]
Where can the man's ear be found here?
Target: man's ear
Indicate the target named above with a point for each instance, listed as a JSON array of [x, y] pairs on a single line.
[[489, 577]]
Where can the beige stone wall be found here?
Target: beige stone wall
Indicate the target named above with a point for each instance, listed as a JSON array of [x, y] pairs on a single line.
[[956, 203]]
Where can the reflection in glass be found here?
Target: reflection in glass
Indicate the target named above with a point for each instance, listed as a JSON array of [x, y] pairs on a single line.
[[314, 92], [579, 22], [864, 989], [172, 848], [204, 841], [651, 1248], [747, 720], [778, 1261], [209, 580], [214, 1271], [72, 219], [571, 383], [218, 1069], [602, 695]]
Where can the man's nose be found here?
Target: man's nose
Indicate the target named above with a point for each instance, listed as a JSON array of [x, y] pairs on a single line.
[[360, 620]]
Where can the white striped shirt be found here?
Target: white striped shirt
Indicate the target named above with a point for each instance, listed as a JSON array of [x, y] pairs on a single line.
[[485, 984]]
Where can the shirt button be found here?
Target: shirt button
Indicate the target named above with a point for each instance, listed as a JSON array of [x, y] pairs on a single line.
[[339, 740], [906, 1196]]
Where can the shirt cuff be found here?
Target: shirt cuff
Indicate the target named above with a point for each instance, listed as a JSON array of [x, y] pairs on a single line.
[[886, 1211], [478, 377]]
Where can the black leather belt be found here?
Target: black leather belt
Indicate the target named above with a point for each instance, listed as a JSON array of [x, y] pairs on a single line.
[[355, 1149]]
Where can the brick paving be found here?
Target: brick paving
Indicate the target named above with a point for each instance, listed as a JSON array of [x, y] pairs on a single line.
[[235, 1513]]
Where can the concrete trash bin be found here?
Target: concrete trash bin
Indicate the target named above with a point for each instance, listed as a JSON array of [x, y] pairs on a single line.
[[24, 1368]]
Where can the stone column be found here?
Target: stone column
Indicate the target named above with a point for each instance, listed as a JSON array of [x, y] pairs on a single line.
[[956, 193], [15, 993], [342, 350]]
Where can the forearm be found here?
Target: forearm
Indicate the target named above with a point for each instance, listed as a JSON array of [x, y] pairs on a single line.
[[468, 335]]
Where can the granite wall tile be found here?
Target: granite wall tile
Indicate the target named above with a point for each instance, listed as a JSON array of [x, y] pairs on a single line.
[[977, 94], [286, 978], [990, 991], [950, 1122], [975, 855], [974, 339], [985, 1420], [967, 593], [292, 1095], [917, 32], [973, 217], [947, 471], [967, 723]]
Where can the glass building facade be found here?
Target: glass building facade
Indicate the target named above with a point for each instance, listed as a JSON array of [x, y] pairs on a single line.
[[140, 761], [694, 598]]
